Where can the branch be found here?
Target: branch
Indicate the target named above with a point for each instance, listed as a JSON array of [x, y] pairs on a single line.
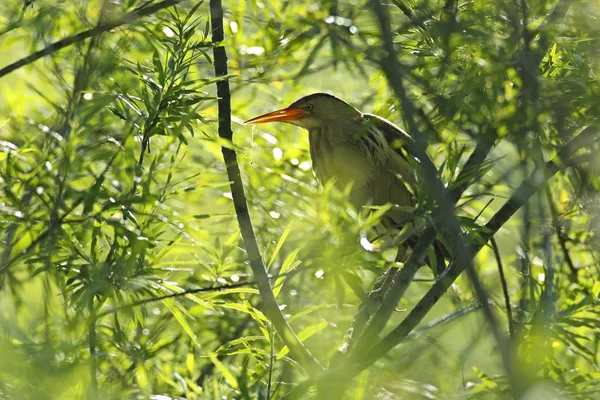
[[81, 36], [445, 319], [469, 170], [443, 198], [183, 293], [391, 67], [92, 347], [464, 254], [406, 275], [520, 196], [271, 307], [559, 234], [415, 21], [186, 292], [511, 326]]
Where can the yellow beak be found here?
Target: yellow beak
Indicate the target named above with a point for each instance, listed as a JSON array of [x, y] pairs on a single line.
[[285, 114]]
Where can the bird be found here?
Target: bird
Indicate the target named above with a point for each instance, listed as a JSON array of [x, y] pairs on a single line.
[[365, 151]]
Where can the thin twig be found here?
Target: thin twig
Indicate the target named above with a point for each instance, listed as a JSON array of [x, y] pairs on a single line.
[[415, 21], [81, 36], [474, 162], [511, 326], [520, 196], [445, 318], [92, 348], [401, 282], [271, 307], [271, 362], [559, 234], [186, 292], [183, 293]]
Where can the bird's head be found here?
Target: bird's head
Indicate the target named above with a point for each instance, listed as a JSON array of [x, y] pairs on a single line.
[[312, 111]]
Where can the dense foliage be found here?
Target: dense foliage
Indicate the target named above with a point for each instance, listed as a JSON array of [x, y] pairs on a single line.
[[123, 273]]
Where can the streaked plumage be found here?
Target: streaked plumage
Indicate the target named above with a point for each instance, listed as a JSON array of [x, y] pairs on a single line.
[[355, 148]]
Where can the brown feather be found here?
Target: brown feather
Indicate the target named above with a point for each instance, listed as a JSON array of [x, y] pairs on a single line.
[[366, 151]]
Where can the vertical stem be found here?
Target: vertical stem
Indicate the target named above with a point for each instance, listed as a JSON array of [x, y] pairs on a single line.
[[92, 348], [511, 326], [547, 298], [525, 269], [271, 362], [271, 307], [47, 300], [559, 234]]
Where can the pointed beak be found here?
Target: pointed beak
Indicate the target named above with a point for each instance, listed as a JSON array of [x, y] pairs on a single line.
[[285, 114]]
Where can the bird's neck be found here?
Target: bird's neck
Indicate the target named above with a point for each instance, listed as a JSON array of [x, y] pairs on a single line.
[[334, 153], [333, 133], [319, 138]]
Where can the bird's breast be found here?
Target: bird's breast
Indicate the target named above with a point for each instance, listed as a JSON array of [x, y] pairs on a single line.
[[342, 161]]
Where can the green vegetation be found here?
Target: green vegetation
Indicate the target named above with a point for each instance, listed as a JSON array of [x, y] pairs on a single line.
[[123, 273]]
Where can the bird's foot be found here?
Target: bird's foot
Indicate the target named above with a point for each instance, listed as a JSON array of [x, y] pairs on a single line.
[[368, 307]]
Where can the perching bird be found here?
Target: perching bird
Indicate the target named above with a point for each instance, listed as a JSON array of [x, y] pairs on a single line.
[[363, 150]]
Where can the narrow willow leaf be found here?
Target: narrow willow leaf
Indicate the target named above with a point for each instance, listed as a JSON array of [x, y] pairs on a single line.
[[224, 371], [288, 265], [303, 335], [170, 304], [280, 243]]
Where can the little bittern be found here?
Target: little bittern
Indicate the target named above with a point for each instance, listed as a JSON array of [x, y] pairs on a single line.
[[360, 149]]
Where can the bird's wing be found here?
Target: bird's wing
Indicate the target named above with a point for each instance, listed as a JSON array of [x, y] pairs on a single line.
[[404, 146], [396, 173], [393, 136]]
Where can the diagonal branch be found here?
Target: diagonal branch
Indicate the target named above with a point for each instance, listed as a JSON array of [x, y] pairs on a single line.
[[406, 275], [560, 235], [509, 317], [538, 178], [81, 36], [464, 254], [391, 67], [443, 198], [528, 188], [270, 305]]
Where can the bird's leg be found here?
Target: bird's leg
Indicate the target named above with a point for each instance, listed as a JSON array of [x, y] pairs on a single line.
[[382, 284], [372, 301], [385, 281], [365, 310]]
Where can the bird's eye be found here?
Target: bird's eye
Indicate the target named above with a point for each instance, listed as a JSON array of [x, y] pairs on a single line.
[[308, 107]]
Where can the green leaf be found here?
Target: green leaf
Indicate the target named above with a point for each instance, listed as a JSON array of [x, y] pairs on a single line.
[[311, 58], [158, 68], [174, 307], [289, 264], [355, 283], [303, 335], [224, 371], [280, 243]]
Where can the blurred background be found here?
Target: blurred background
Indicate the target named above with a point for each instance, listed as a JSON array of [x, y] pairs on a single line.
[[114, 195]]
